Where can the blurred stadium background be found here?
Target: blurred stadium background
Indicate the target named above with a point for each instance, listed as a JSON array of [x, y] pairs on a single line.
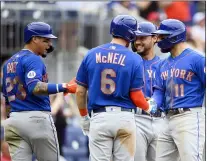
[[80, 26]]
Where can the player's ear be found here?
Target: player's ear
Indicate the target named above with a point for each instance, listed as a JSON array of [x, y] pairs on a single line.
[[155, 38], [35, 39]]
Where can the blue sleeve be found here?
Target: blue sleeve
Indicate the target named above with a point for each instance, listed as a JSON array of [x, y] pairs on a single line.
[[82, 78], [137, 78], [158, 81], [158, 87], [158, 96], [33, 70], [200, 70]]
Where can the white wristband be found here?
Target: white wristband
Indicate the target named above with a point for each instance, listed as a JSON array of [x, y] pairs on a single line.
[[57, 88]]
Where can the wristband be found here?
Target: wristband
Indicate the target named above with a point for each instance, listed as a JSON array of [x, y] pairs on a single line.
[[55, 88], [83, 112]]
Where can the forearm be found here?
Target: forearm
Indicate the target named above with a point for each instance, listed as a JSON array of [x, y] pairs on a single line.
[[42, 88], [81, 100]]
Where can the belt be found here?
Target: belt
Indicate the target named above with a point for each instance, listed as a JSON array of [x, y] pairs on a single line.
[[157, 114], [176, 111], [113, 108]]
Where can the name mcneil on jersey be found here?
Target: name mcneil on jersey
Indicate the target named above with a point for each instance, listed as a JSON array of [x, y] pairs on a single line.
[[178, 73], [11, 67], [113, 58]]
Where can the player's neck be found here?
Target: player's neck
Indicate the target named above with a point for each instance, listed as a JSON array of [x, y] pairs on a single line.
[[119, 41], [149, 55], [31, 48], [178, 49]]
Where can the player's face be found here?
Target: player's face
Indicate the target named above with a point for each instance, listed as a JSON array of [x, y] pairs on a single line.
[[43, 44], [144, 43]]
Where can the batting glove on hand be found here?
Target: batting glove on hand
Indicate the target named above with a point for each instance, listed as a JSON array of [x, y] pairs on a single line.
[[152, 106], [70, 87], [85, 124]]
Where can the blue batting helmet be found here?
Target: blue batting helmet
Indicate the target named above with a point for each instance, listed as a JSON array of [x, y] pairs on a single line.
[[145, 29], [175, 31], [40, 29], [124, 26]]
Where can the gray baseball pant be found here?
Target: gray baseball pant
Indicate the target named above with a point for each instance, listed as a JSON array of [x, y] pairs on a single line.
[[184, 137], [148, 129], [31, 132], [112, 134]]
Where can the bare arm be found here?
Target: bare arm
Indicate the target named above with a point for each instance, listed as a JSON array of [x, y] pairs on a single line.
[[81, 99], [41, 88]]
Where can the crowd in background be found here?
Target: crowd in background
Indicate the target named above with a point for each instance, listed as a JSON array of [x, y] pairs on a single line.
[[192, 13], [73, 144]]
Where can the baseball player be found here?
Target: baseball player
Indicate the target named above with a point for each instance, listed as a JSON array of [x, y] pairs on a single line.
[[30, 127], [113, 76], [180, 84], [148, 127]]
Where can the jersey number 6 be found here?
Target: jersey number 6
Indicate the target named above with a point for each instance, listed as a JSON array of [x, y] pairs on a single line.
[[108, 86]]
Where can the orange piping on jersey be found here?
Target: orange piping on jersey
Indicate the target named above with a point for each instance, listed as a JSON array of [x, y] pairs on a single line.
[[136, 89], [151, 90], [171, 88], [144, 79], [81, 83]]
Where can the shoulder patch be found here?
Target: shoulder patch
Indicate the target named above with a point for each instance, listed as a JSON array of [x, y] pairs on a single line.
[[31, 74]]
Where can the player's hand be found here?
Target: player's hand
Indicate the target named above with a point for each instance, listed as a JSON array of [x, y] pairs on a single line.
[[152, 106], [147, 98], [70, 87], [85, 124]]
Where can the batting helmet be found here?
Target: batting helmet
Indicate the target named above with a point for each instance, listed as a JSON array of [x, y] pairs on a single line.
[[124, 26], [40, 29], [144, 29], [175, 31]]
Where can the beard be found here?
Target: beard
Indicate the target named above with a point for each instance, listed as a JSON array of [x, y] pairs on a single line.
[[44, 55], [165, 50], [143, 53], [127, 45]]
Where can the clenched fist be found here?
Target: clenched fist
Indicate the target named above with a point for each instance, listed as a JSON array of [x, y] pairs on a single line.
[[70, 87]]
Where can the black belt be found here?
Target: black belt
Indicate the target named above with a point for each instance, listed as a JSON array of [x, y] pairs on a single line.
[[157, 114], [176, 111], [103, 109]]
